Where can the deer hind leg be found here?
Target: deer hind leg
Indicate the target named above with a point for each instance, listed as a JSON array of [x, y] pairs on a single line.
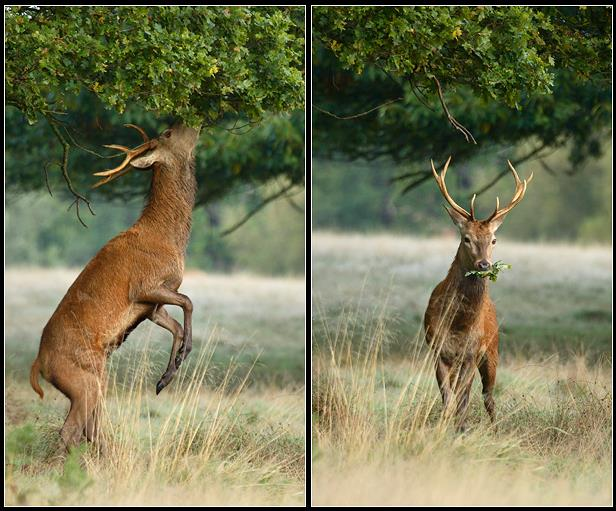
[[487, 369], [93, 423], [162, 318], [83, 389]]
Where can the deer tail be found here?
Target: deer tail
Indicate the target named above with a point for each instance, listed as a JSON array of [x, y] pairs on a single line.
[[34, 376]]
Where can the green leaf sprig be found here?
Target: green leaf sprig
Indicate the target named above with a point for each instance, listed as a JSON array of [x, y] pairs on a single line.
[[492, 273]]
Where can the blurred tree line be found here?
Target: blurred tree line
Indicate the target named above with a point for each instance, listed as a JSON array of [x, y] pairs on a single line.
[[38, 233], [394, 87], [360, 196]]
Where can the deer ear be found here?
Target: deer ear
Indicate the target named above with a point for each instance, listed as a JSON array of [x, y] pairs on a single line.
[[147, 160], [458, 219]]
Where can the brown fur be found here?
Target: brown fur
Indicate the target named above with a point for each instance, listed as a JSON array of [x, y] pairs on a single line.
[[129, 280], [460, 320], [461, 327]]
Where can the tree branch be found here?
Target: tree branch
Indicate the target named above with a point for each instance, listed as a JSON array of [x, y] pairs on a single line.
[[467, 134], [408, 174], [506, 171], [427, 175], [357, 115], [53, 123], [254, 211], [294, 205]]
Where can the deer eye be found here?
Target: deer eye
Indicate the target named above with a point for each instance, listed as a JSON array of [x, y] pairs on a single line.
[[494, 241], [167, 133], [467, 239]]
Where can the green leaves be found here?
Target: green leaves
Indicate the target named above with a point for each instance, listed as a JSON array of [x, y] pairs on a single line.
[[503, 53], [195, 63], [492, 273]]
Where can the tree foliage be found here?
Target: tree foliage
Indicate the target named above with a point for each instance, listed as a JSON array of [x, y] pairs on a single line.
[[503, 53], [195, 63], [85, 71], [508, 74]]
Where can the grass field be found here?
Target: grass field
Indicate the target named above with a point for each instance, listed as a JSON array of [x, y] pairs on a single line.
[[230, 429], [378, 436]]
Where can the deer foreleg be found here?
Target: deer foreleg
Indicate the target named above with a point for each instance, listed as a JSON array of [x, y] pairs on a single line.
[[442, 377], [162, 318], [165, 296], [463, 392], [487, 369]]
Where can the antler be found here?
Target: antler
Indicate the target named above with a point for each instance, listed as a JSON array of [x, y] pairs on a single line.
[[520, 190], [130, 155], [440, 181]]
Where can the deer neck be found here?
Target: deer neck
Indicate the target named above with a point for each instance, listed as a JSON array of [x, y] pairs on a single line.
[[472, 289], [168, 211]]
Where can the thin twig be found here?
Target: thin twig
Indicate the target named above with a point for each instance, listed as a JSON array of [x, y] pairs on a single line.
[[408, 174], [254, 211], [83, 148], [346, 118], [416, 183], [506, 171], [415, 90], [547, 168], [53, 123], [45, 167], [467, 134]]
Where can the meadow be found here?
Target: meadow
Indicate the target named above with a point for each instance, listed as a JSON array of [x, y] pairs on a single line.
[[378, 435], [229, 430]]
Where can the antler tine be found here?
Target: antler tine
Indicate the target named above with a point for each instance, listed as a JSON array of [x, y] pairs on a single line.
[[130, 155], [110, 178], [143, 134], [473, 206], [520, 191], [440, 181]]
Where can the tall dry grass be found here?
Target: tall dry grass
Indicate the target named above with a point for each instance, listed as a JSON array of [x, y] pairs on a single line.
[[381, 437], [197, 443]]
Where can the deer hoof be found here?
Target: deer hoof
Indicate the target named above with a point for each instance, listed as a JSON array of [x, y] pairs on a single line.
[[160, 386]]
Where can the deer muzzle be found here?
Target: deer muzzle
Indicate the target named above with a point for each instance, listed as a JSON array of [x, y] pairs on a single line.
[[483, 265]]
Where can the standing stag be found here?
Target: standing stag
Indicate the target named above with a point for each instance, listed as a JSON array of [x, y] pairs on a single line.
[[129, 280], [460, 321]]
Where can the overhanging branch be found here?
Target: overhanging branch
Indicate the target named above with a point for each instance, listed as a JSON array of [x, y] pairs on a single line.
[[346, 118], [524, 158], [258, 208], [54, 123], [467, 134]]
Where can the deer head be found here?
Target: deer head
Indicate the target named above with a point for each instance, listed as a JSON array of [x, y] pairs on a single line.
[[173, 146], [477, 236]]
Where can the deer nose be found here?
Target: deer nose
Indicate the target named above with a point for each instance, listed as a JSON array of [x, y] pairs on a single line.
[[483, 265]]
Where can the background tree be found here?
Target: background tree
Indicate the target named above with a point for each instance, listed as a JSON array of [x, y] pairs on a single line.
[[77, 73]]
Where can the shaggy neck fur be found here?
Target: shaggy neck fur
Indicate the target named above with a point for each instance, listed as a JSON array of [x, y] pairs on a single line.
[[471, 289], [169, 207]]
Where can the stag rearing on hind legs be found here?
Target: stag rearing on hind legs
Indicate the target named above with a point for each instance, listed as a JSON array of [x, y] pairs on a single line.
[[460, 320], [131, 279]]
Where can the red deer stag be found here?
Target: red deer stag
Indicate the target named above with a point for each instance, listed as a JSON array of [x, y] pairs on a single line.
[[129, 280], [460, 321]]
